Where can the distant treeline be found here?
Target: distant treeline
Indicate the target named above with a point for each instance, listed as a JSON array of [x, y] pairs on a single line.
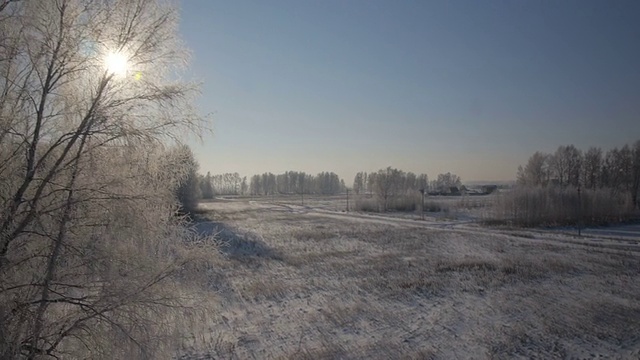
[[294, 182], [572, 187], [385, 183], [222, 184], [398, 181], [290, 182], [394, 189], [618, 170]]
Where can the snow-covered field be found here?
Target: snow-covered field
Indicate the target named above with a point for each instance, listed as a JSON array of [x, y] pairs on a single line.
[[312, 282]]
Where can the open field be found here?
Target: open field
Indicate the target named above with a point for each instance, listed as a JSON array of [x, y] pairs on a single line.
[[298, 282], [450, 207]]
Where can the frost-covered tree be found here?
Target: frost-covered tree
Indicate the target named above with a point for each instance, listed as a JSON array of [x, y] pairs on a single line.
[[559, 166], [613, 181], [635, 177], [536, 172], [254, 185], [387, 184], [358, 183], [618, 165], [565, 165], [592, 168], [244, 187], [187, 192], [89, 240], [422, 182], [444, 182], [206, 188]]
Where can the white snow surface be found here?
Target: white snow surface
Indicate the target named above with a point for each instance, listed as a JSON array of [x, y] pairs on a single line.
[[309, 282]]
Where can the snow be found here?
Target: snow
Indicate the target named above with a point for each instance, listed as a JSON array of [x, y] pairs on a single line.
[[297, 281]]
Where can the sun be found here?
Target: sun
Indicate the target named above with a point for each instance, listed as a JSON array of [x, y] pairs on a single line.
[[116, 64]]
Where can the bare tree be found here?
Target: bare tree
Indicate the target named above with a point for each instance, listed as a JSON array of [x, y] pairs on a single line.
[[386, 184], [635, 177], [422, 182], [559, 166], [88, 236], [565, 165], [573, 158], [187, 191], [619, 164], [444, 182], [358, 183], [592, 167], [614, 179], [535, 173], [206, 188]]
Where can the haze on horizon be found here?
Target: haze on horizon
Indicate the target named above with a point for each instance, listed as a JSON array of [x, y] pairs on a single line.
[[469, 87]]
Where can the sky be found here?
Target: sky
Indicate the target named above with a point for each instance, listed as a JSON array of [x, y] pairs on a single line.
[[468, 87]]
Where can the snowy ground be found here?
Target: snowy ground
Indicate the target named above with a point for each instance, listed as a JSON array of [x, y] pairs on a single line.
[[311, 282]]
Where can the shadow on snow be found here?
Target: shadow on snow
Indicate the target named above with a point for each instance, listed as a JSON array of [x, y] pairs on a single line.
[[236, 245]]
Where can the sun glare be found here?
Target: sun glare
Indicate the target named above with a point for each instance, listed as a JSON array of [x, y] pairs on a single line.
[[116, 63]]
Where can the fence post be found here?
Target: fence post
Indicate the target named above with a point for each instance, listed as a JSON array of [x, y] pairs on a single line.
[[579, 212]]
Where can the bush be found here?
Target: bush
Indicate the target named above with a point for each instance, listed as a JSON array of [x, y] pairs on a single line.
[[401, 203], [367, 205], [405, 203], [435, 206]]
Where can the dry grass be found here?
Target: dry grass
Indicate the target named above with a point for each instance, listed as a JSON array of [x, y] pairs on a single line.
[[346, 289]]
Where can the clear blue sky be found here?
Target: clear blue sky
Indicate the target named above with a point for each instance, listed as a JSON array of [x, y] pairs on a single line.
[[471, 87]]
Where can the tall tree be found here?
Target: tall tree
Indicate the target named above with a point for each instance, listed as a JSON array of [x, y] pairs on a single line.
[[187, 190], [386, 185], [445, 182], [206, 187], [574, 165], [88, 98], [559, 166], [635, 178], [535, 173], [592, 168], [358, 183]]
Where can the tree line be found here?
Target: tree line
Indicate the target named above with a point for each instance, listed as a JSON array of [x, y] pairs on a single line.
[[574, 187], [222, 184], [289, 182], [385, 182], [294, 182], [398, 181], [399, 190], [617, 170]]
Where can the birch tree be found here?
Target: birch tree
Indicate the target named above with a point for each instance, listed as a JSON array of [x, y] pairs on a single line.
[[592, 167], [89, 240], [535, 173], [635, 177]]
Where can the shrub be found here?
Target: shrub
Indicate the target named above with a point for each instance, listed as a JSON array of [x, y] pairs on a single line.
[[435, 206], [367, 205], [401, 203], [405, 203]]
